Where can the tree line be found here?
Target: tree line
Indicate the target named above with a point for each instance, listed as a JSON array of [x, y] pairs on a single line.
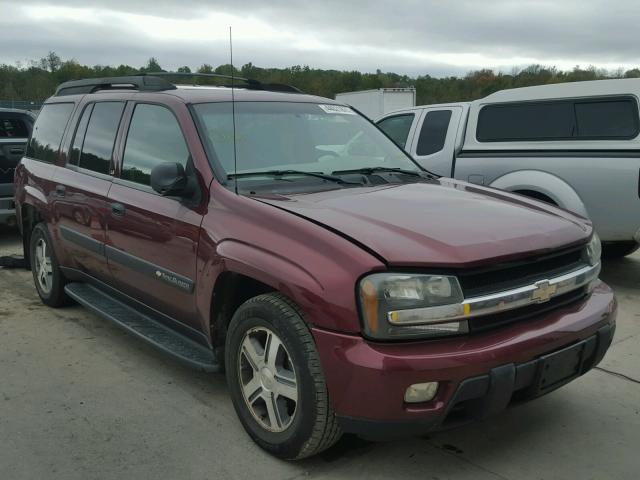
[[36, 80]]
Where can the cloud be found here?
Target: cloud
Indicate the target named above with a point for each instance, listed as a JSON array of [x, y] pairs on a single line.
[[411, 36]]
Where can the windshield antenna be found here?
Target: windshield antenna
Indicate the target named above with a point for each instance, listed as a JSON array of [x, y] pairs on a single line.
[[233, 115]]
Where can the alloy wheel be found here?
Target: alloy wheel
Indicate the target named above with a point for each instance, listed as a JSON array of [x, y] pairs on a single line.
[[267, 379], [44, 269]]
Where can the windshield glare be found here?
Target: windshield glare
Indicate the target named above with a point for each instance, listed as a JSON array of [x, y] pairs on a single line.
[[297, 136]]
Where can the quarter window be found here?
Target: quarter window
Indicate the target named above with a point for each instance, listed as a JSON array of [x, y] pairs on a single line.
[[48, 130], [154, 138], [397, 127], [102, 129], [610, 118], [433, 133]]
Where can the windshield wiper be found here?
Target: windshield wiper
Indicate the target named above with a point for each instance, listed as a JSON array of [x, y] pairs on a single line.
[[372, 170], [281, 173]]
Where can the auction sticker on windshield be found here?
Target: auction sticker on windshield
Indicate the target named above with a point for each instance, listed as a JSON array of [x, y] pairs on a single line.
[[337, 109]]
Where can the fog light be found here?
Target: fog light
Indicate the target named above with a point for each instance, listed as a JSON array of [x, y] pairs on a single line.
[[421, 392]]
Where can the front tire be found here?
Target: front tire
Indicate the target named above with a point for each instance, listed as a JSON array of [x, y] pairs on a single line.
[[276, 383], [47, 276]]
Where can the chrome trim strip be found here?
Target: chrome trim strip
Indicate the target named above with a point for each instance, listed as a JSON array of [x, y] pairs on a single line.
[[539, 292]]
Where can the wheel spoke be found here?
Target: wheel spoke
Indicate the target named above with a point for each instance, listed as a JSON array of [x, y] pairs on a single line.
[[272, 411], [250, 353], [39, 254], [286, 387], [253, 389], [271, 350]]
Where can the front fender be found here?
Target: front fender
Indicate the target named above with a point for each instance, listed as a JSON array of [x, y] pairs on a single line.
[[545, 183]]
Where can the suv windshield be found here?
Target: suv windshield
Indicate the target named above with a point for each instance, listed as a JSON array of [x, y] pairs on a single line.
[[299, 137]]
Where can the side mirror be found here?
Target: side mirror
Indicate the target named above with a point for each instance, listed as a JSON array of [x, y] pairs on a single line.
[[170, 179]]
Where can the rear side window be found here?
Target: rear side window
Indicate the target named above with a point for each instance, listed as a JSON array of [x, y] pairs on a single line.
[[397, 127], [48, 130], [610, 118], [13, 128], [433, 132], [78, 139], [100, 137], [154, 138]]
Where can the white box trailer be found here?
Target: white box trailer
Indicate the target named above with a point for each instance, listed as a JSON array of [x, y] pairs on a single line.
[[374, 103]]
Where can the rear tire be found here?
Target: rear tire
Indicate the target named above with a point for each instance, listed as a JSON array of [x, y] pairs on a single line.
[[279, 395], [618, 249], [47, 276]]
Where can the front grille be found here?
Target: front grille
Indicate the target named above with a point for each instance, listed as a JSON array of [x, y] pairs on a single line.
[[487, 322], [512, 275]]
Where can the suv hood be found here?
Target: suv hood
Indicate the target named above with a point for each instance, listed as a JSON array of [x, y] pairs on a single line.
[[440, 223]]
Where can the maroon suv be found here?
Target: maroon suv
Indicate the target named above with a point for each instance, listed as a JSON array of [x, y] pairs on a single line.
[[286, 238]]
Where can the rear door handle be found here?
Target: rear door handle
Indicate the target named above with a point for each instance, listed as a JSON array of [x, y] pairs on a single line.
[[16, 151], [118, 209], [61, 190]]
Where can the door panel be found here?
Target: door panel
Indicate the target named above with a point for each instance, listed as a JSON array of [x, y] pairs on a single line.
[[440, 159], [152, 240], [81, 188], [80, 206], [151, 250]]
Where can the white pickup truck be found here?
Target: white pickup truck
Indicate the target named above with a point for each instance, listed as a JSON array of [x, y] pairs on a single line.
[[575, 145]]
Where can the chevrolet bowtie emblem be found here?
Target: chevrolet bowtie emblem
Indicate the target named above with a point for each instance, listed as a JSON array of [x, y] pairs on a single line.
[[544, 291]]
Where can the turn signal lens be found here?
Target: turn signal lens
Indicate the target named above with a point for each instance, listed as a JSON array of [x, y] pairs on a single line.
[[369, 299]]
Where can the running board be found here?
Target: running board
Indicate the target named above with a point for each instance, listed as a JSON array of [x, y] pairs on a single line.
[[140, 325]]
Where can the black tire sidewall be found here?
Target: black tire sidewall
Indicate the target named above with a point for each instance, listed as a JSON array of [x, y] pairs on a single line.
[[285, 444]]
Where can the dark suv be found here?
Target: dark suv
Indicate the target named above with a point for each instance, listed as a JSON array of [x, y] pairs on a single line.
[[286, 238]]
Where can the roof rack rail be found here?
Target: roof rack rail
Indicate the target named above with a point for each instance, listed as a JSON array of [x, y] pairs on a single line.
[[143, 82], [251, 84], [153, 82]]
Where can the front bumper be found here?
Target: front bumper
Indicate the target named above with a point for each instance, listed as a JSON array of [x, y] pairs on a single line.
[[479, 374]]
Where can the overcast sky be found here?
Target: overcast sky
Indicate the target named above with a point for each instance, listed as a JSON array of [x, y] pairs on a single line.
[[406, 36]]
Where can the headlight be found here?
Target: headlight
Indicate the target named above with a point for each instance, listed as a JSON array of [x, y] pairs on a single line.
[[593, 250], [406, 305]]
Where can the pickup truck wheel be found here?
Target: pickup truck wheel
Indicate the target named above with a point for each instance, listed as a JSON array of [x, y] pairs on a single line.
[[47, 276], [276, 383]]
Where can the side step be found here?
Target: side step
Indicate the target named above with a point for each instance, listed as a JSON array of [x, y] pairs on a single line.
[[167, 340]]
